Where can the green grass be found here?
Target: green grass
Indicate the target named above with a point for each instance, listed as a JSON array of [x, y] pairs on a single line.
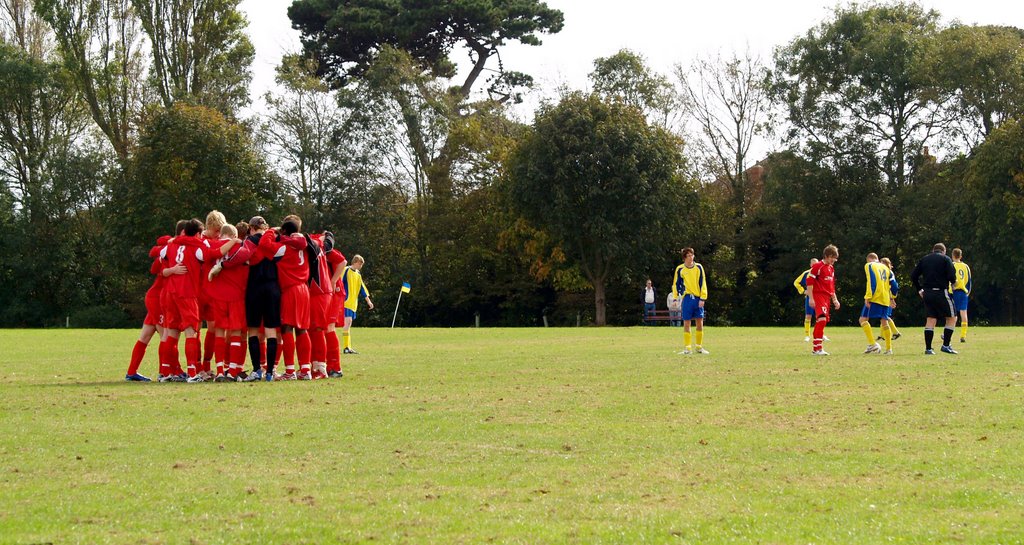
[[522, 436]]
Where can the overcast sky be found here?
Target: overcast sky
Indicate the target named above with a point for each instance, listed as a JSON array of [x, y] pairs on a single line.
[[666, 32]]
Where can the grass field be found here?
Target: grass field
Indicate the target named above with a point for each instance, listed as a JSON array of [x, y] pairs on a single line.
[[522, 436]]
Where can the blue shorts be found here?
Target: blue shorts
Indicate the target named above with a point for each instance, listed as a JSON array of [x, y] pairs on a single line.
[[876, 311], [691, 310], [888, 312], [350, 314], [960, 300], [808, 307]]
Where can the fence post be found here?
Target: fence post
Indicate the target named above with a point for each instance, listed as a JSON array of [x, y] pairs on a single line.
[[577, 319], [476, 315], [545, 320]]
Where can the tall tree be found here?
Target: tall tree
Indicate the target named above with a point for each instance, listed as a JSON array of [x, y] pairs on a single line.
[[602, 182], [626, 76], [101, 44], [400, 54], [200, 51], [728, 101], [855, 88], [40, 113], [982, 68]]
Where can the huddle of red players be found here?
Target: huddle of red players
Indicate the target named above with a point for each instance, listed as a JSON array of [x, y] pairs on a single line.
[[271, 284]]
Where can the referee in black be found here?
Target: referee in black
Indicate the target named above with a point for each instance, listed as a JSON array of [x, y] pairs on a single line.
[[932, 277]]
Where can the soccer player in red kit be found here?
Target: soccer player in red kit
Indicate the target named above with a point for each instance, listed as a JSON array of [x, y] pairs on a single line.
[[292, 276], [181, 308], [821, 288], [321, 292], [337, 263], [212, 238], [154, 322], [228, 280]]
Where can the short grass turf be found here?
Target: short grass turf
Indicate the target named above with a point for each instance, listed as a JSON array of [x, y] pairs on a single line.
[[522, 436]]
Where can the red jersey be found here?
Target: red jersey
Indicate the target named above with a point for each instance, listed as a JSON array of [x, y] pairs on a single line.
[[156, 268], [334, 260], [214, 245], [183, 250], [230, 284], [319, 272], [292, 268], [823, 279]]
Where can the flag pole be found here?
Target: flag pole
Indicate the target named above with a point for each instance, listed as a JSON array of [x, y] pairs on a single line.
[[396, 309]]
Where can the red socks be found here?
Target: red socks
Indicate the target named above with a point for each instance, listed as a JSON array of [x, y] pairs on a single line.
[[236, 355], [819, 334], [138, 353], [333, 351], [220, 354], [209, 348], [192, 355], [288, 348], [318, 352], [304, 348]]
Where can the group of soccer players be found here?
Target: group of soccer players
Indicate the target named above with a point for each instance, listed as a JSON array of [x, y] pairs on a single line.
[[943, 283], [284, 289]]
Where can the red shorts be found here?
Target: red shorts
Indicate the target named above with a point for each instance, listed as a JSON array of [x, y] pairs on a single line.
[[295, 306], [823, 307], [181, 313], [320, 310], [206, 310], [334, 312], [229, 315], [154, 310]]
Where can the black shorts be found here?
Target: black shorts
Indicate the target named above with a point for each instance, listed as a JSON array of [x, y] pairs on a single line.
[[938, 304], [263, 305]]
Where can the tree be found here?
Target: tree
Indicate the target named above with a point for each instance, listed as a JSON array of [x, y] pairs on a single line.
[[601, 182], [982, 68], [855, 88], [200, 51], [995, 191], [626, 76], [191, 160], [728, 101], [100, 42], [40, 113]]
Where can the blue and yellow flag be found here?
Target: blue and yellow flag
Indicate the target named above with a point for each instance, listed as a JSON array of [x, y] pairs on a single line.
[[406, 288]]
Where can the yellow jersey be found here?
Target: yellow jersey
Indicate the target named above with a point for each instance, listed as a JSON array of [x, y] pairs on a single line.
[[354, 288], [878, 288], [801, 282], [690, 281], [963, 278]]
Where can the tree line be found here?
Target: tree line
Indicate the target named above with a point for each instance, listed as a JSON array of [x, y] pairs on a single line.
[[881, 129]]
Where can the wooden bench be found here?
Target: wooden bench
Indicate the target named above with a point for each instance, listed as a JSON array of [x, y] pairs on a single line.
[[660, 316]]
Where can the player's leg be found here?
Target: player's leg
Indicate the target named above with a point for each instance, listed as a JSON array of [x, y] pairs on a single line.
[[333, 351], [887, 335], [808, 318], [346, 332], [699, 335], [822, 314], [138, 353], [963, 326], [869, 334]]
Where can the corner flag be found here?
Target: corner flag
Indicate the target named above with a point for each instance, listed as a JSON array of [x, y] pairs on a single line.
[[406, 288]]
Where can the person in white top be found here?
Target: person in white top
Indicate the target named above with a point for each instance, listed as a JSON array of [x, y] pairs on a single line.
[[675, 307], [649, 299]]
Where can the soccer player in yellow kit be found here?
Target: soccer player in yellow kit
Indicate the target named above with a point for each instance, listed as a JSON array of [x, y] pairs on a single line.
[[691, 283], [877, 300], [961, 290], [355, 290], [801, 287]]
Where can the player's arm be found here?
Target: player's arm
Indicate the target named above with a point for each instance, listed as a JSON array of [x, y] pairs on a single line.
[[703, 288], [676, 279], [365, 294], [970, 281], [811, 281], [296, 241], [870, 289], [799, 283], [241, 256]]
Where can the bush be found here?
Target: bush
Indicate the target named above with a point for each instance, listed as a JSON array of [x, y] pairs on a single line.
[[101, 317]]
